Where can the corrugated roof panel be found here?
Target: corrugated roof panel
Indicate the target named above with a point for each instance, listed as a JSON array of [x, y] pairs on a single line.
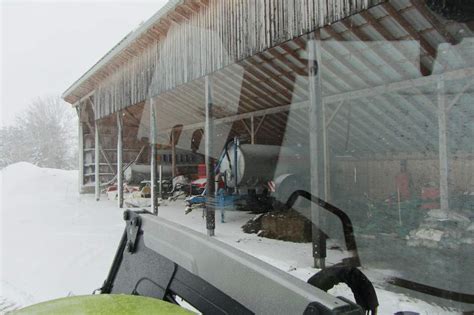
[[416, 20], [393, 27]]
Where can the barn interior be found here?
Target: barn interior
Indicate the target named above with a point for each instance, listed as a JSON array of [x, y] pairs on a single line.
[[377, 108]]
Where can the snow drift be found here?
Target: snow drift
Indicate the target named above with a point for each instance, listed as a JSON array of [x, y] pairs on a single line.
[[54, 242]]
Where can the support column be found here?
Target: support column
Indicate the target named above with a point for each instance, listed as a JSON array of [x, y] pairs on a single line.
[[252, 130], [327, 159], [153, 159], [317, 149], [120, 159], [97, 161], [209, 134], [443, 146], [80, 130], [160, 180], [173, 153]]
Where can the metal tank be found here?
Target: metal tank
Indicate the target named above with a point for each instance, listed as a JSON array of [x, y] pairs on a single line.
[[139, 172], [257, 164]]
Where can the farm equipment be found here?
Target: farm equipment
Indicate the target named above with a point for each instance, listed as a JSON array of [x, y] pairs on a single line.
[[253, 177], [223, 201]]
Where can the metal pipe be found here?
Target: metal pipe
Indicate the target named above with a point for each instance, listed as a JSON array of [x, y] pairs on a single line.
[[443, 146], [210, 174], [317, 149], [236, 168]]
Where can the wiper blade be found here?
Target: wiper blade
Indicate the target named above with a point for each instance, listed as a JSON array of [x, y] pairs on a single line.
[[434, 291], [343, 217]]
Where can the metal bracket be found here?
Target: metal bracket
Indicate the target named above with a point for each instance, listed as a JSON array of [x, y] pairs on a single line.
[[133, 223]]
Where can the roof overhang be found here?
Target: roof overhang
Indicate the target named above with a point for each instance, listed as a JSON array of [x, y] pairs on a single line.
[[70, 95]]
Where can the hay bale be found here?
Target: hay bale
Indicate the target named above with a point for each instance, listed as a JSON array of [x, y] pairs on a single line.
[[284, 225]]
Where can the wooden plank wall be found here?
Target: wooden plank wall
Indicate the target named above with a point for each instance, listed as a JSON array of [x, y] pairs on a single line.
[[217, 35], [376, 177]]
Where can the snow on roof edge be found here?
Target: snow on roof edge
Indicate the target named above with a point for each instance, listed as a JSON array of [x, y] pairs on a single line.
[[122, 44]]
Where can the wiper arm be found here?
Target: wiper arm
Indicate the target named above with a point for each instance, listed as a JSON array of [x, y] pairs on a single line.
[[343, 217]]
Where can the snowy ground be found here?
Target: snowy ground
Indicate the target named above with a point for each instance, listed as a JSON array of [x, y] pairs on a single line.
[[55, 242]]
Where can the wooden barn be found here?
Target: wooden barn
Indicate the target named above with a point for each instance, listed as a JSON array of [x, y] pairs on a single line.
[[375, 95]]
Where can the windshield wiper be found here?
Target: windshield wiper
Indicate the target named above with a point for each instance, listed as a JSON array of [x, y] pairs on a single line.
[[351, 245], [346, 222]]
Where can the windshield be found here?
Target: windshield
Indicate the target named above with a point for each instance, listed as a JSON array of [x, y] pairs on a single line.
[[308, 145], [378, 127]]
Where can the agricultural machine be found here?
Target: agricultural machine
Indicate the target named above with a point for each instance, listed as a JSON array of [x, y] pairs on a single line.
[[254, 177]]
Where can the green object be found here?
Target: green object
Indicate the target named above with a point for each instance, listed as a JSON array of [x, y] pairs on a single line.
[[103, 304]]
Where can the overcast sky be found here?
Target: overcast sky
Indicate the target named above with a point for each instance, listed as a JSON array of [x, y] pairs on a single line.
[[47, 45]]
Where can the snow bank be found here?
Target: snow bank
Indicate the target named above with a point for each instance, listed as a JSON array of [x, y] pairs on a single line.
[[53, 241]]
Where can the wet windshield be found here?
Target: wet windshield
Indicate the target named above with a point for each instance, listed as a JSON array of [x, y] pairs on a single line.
[[372, 115], [308, 140]]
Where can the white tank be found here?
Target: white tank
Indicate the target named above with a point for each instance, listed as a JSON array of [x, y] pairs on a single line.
[[257, 164]]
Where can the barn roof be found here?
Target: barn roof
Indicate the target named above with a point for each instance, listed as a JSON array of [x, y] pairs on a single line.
[[277, 21], [380, 65], [74, 91]]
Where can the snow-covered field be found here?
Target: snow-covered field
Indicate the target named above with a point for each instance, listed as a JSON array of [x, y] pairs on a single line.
[[55, 242]]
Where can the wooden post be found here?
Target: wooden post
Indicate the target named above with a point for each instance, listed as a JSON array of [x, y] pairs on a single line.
[[209, 134], [153, 159], [80, 143], [252, 130], [173, 153], [317, 149], [120, 159], [160, 180], [443, 146], [236, 161], [97, 161], [326, 154]]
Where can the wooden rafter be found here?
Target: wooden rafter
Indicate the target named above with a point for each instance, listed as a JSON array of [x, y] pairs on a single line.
[[409, 29]]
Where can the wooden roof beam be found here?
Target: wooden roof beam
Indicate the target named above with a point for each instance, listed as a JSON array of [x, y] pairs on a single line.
[[330, 67], [390, 38], [288, 63], [359, 56], [182, 12], [289, 75], [253, 86], [361, 133], [192, 6], [362, 110], [246, 100], [340, 58], [361, 36], [254, 64], [429, 16], [175, 17], [409, 29], [271, 79]]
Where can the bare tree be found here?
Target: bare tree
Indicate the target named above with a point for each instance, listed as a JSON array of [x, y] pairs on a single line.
[[43, 135]]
